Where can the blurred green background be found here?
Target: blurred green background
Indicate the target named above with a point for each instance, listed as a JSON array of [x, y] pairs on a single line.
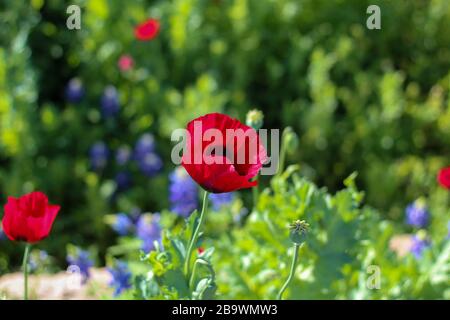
[[372, 101]]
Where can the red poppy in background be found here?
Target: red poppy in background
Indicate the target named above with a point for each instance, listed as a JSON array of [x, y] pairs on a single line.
[[147, 30], [125, 62], [216, 171], [29, 218], [444, 177]]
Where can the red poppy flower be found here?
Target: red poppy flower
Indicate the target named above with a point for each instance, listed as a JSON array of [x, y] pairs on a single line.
[[29, 218], [125, 63], [444, 177], [222, 154], [200, 250], [147, 30]]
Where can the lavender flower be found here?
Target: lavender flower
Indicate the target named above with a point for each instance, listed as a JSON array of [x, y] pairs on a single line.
[[81, 259], [74, 91], [417, 214], [110, 102], [419, 243], [183, 193], [218, 200], [99, 154], [123, 155], [121, 277], [123, 224], [148, 230]]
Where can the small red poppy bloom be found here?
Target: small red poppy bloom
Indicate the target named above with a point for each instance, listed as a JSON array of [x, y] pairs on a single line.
[[222, 154], [444, 177], [29, 218], [125, 62], [200, 250], [147, 30]]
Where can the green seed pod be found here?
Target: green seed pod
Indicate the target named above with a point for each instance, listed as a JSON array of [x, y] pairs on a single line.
[[255, 119], [290, 140], [298, 231]]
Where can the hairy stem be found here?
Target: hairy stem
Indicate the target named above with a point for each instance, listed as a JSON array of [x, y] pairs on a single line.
[[291, 273], [25, 271], [187, 262]]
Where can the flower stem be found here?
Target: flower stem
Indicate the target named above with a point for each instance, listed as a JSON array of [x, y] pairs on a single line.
[[255, 190], [25, 271], [195, 236], [194, 271], [282, 159], [292, 272]]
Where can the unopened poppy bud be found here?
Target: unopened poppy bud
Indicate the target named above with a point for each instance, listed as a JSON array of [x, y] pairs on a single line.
[[290, 140], [298, 230], [421, 235], [255, 119]]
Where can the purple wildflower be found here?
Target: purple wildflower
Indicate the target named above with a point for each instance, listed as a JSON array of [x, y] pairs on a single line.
[[81, 259], [417, 214], [218, 200], [74, 91], [146, 157], [419, 243], [123, 180], [148, 230], [123, 224], [123, 155], [145, 145], [37, 259], [150, 164], [99, 154], [183, 193], [110, 102], [448, 230], [121, 277]]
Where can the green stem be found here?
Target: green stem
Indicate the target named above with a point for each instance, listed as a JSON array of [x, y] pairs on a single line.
[[282, 158], [291, 274], [255, 190], [25, 271], [194, 271], [194, 238]]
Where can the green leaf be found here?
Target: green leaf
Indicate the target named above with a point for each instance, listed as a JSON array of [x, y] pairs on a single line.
[[205, 290]]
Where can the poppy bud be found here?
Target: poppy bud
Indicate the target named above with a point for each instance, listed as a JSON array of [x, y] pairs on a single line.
[[298, 230], [255, 119], [290, 140]]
